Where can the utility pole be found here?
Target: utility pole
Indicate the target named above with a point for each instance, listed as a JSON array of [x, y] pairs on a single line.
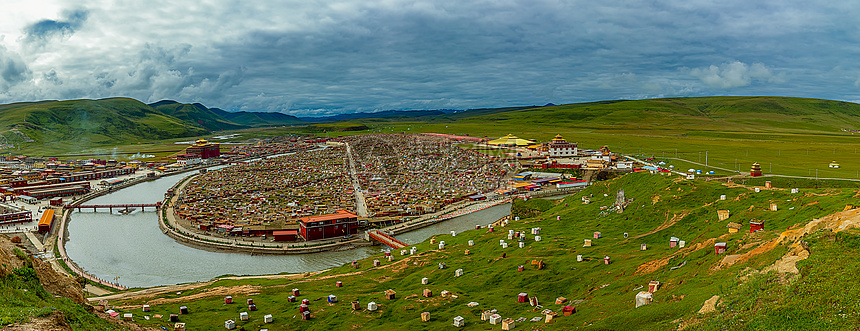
[[706, 158]]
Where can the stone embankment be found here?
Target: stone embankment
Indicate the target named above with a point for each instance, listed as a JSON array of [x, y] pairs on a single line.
[[168, 224]]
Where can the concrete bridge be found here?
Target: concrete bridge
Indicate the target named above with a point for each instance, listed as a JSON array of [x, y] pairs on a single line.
[[384, 239], [142, 206]]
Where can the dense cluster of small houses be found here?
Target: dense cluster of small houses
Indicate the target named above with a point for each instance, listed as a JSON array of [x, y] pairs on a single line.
[[417, 174]]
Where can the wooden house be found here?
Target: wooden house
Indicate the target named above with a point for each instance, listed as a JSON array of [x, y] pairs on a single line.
[[719, 248], [653, 286], [459, 321], [508, 324], [733, 227], [389, 294], [568, 310], [756, 225], [643, 298]]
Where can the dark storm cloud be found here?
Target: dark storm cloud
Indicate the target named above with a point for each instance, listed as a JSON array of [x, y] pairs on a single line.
[[326, 57], [13, 70], [43, 31]]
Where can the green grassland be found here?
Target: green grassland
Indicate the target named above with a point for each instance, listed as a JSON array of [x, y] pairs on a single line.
[[68, 126], [603, 294], [787, 136], [22, 296]]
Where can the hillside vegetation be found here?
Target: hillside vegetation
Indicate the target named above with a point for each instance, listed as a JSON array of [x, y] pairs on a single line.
[[81, 123], [787, 136], [755, 279], [34, 297], [73, 126]]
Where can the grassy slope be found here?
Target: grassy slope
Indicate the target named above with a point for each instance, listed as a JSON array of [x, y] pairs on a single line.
[[789, 136], [22, 296], [196, 113], [80, 124], [261, 119], [608, 290]]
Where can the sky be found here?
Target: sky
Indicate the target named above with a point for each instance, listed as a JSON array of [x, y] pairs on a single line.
[[314, 58]]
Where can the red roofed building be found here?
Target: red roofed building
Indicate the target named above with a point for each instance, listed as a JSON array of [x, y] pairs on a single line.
[[285, 235], [342, 223], [204, 149]]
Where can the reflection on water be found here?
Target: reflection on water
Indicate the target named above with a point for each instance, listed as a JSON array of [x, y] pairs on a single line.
[[132, 247]]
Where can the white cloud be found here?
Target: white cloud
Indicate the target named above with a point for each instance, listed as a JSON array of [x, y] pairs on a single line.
[[734, 74]]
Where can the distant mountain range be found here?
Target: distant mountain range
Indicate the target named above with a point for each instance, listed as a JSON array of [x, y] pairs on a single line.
[[80, 124], [214, 119], [388, 114]]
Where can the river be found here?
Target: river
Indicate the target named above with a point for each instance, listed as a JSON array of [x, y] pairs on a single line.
[[132, 247]]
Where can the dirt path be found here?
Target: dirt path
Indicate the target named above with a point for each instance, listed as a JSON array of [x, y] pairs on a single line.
[[185, 287], [675, 218]]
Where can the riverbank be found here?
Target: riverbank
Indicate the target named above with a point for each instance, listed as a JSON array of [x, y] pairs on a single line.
[[58, 238], [133, 247], [170, 226]]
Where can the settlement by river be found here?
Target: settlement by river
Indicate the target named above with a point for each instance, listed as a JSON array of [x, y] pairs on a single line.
[[133, 251], [402, 176], [384, 178]]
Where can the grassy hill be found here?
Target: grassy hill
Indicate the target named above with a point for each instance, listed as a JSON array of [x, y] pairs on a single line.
[[751, 295], [788, 136], [75, 126], [215, 119], [79, 124], [34, 297], [753, 114], [260, 119], [210, 119]]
